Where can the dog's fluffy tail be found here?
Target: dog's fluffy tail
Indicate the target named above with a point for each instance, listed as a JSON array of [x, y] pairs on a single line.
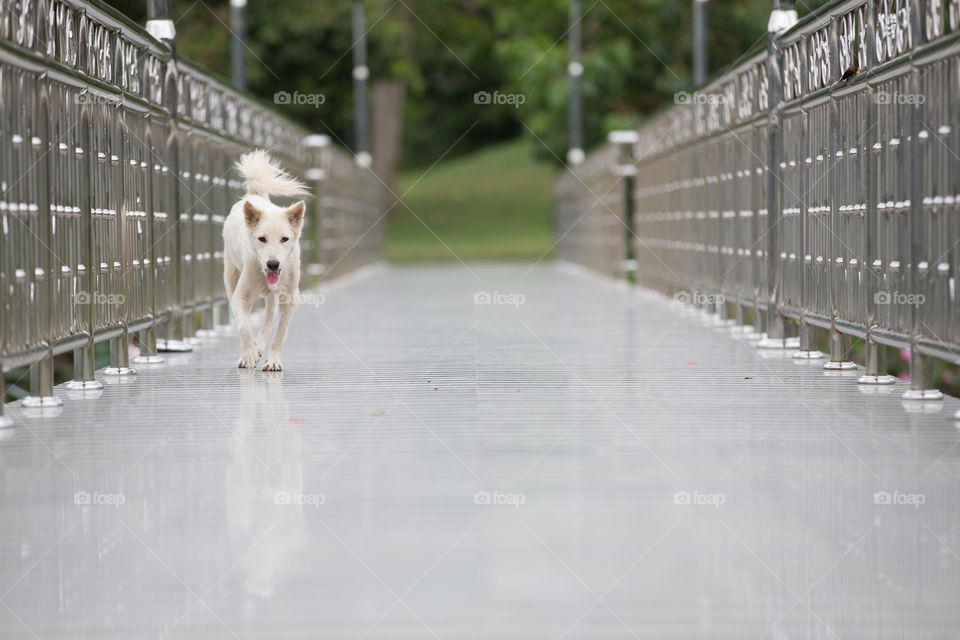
[[265, 178]]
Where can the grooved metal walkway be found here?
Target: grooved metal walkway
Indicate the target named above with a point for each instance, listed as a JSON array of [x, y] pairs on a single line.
[[571, 460]]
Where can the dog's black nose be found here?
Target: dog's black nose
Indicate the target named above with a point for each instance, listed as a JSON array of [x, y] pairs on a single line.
[[273, 265]]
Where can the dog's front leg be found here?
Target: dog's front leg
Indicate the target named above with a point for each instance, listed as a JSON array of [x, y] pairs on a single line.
[[267, 323], [286, 304], [241, 306]]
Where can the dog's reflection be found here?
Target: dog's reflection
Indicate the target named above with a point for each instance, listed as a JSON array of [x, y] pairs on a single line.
[[264, 484]]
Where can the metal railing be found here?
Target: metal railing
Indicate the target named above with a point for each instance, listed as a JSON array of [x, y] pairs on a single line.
[[115, 178], [817, 182]]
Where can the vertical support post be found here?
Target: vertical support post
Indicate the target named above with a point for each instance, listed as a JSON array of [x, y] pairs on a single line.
[[781, 18], [41, 371], [918, 366], [119, 346], [160, 15], [575, 154], [361, 74], [84, 363], [626, 169], [807, 348], [876, 353], [315, 175], [839, 342], [160, 21], [699, 42], [148, 337], [238, 34]]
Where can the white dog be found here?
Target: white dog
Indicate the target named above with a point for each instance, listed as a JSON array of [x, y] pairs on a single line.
[[261, 243]]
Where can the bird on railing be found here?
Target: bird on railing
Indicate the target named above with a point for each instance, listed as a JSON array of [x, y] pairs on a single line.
[[849, 73]]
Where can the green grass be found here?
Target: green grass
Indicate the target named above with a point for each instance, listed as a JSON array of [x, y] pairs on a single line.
[[494, 204]]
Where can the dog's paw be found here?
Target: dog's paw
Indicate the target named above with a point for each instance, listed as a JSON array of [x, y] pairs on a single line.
[[273, 364], [248, 361]]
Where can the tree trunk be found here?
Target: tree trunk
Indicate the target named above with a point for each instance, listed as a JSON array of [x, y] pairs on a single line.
[[387, 129]]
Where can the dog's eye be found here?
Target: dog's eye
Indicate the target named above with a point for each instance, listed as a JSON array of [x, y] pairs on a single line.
[[262, 238], [284, 239]]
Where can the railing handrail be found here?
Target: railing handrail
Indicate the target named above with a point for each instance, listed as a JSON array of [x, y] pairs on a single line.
[[115, 170], [792, 187]]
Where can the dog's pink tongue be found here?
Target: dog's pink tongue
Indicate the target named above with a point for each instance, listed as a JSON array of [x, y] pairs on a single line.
[[273, 277]]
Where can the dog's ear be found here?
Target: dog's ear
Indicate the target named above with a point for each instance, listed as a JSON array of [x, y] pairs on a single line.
[[295, 214], [251, 214]]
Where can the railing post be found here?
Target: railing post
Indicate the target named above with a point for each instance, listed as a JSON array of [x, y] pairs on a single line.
[[120, 346], [839, 342], [626, 168], [148, 337], [918, 373], [41, 371], [315, 175], [876, 353], [781, 18], [84, 362]]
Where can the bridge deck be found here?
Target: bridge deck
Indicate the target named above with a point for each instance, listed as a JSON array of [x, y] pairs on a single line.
[[640, 475]]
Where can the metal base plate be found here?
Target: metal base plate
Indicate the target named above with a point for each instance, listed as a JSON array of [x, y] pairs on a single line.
[[83, 385], [923, 394], [779, 343], [840, 365], [147, 360], [119, 371], [812, 354], [41, 402], [6, 422], [876, 379], [173, 346]]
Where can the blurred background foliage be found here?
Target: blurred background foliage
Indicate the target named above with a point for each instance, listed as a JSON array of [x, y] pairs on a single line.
[[637, 54]]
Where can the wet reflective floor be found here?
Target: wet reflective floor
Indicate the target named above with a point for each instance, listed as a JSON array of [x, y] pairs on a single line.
[[487, 452]]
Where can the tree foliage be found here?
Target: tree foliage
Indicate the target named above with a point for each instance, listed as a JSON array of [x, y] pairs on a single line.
[[636, 54]]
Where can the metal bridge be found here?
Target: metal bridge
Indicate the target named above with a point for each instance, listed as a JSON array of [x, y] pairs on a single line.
[[637, 440]]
